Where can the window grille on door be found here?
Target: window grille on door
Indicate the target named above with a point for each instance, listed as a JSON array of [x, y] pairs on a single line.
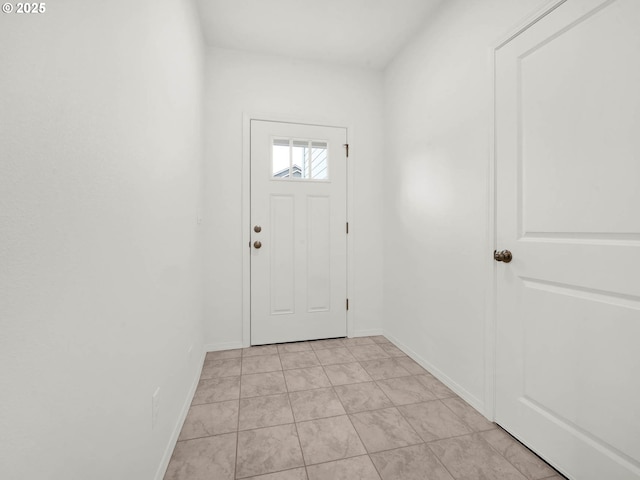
[[296, 159]]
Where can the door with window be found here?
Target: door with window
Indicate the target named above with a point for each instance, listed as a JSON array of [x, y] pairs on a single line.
[[298, 232], [568, 209]]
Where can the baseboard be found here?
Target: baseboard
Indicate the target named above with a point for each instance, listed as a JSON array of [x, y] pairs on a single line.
[[367, 333], [181, 418], [215, 347], [472, 400]]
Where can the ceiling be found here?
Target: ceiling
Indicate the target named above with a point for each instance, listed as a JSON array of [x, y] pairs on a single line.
[[365, 33]]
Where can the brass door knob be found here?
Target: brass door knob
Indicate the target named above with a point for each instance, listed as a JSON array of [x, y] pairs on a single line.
[[257, 244], [502, 256]]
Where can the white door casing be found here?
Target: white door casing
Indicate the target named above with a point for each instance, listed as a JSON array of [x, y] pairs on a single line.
[[567, 119], [299, 271]]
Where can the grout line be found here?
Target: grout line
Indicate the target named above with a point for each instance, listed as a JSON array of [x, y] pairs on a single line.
[[518, 443], [322, 418], [337, 363], [304, 462], [438, 458], [272, 473], [439, 461], [300, 368], [328, 348], [208, 436], [375, 467], [408, 422], [472, 434], [262, 474], [218, 401], [235, 463], [339, 459], [352, 425], [500, 454], [463, 420]]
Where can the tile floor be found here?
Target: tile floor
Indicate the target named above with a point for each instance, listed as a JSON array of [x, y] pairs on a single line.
[[338, 409]]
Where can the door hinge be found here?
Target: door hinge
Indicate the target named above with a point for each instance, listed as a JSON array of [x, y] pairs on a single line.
[[346, 145], [347, 304], [347, 227]]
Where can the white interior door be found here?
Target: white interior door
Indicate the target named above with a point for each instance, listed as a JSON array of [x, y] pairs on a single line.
[[568, 208], [298, 232]]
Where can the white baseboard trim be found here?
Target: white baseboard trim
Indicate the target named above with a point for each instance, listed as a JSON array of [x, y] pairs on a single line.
[[472, 400], [216, 347], [164, 463], [367, 333]]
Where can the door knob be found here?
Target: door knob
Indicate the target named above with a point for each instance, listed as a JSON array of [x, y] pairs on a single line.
[[257, 229], [502, 256], [257, 244]]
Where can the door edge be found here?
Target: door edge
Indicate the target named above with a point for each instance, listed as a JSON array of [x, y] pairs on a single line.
[[491, 295]]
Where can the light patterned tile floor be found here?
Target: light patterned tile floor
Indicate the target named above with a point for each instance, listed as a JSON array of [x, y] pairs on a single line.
[[356, 409]]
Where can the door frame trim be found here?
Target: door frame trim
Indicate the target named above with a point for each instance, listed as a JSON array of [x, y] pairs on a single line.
[[491, 296], [246, 207]]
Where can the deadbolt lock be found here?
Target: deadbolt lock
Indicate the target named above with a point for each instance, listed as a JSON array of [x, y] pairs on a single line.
[[257, 229]]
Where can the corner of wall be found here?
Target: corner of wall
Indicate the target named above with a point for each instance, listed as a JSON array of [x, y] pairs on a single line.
[[458, 389], [173, 440]]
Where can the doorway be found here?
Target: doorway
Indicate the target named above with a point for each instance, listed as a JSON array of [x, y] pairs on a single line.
[[298, 232]]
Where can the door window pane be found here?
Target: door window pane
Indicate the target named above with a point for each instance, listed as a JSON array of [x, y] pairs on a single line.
[[319, 163], [295, 159], [300, 159], [281, 158]]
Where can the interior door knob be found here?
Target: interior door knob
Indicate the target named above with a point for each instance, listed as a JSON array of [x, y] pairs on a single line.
[[257, 244], [502, 256]]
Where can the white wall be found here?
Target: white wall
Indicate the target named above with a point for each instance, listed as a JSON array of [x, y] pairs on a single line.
[[239, 82], [437, 253], [100, 254]]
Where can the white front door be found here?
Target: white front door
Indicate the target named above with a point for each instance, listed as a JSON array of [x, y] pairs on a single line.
[[568, 208], [298, 232]]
